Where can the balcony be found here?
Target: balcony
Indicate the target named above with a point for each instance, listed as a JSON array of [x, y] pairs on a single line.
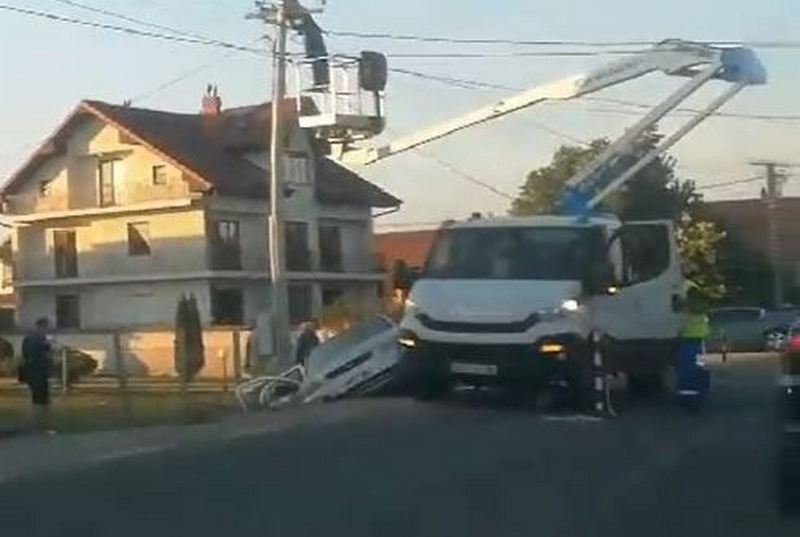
[[225, 256], [298, 259]]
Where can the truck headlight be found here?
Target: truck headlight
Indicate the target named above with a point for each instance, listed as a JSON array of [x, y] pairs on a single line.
[[565, 309]]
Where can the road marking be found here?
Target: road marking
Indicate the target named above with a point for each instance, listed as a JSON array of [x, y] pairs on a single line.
[[134, 452], [574, 418]]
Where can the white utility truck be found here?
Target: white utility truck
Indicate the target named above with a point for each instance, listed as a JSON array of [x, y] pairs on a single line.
[[519, 300]]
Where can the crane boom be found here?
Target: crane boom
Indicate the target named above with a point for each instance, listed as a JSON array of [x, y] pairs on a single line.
[[698, 62]]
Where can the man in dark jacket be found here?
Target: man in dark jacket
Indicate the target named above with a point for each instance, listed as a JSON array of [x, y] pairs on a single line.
[[307, 341], [35, 369]]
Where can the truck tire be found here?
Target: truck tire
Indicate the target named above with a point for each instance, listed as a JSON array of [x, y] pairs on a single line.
[[645, 385], [431, 389], [580, 379]]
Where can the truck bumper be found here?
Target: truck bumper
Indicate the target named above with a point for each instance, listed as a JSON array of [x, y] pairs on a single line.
[[508, 365]]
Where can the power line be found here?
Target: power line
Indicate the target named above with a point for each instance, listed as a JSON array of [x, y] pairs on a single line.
[[475, 84], [186, 75], [127, 18], [127, 30], [540, 42], [729, 183], [464, 175]]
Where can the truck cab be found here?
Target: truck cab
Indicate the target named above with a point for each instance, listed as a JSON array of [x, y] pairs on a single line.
[[517, 301]]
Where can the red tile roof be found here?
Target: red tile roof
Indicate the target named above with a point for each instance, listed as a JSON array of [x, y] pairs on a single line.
[[409, 246], [209, 149]]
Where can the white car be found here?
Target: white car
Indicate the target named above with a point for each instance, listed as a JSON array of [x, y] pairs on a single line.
[[357, 361]]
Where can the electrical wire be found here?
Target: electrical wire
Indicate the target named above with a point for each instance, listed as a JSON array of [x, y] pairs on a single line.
[[121, 16], [128, 30], [461, 173], [729, 183], [475, 84], [541, 42], [186, 75]]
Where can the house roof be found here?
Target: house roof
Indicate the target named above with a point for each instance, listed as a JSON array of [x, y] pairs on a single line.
[[210, 150], [746, 220], [409, 246]]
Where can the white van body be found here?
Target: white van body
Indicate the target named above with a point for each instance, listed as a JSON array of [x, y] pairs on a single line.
[[467, 299]]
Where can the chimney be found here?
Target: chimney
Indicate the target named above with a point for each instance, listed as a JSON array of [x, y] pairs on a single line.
[[212, 104]]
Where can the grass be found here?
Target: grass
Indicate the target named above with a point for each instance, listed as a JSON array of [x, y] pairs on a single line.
[[83, 412]]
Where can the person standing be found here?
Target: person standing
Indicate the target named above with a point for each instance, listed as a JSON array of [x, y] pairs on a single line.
[[35, 370], [307, 341], [693, 378]]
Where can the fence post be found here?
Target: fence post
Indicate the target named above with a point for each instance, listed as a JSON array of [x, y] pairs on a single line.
[[223, 355], [122, 373], [64, 371], [237, 356]]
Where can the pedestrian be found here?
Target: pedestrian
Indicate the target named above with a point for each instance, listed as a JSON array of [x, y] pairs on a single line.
[[35, 370], [693, 378], [306, 341]]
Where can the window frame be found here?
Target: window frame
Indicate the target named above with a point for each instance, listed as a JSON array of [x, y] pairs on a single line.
[[145, 239], [219, 315], [69, 267], [102, 201], [61, 318], [157, 179]]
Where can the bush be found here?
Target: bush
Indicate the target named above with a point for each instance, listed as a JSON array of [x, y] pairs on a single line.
[[189, 352], [8, 364]]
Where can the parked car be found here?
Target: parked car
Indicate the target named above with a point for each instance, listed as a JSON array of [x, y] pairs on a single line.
[[741, 327], [777, 324], [750, 329], [788, 466]]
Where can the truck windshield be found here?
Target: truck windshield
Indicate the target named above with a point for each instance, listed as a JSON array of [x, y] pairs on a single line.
[[509, 253]]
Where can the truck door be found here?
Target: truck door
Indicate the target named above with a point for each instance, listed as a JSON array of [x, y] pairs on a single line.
[[648, 270]]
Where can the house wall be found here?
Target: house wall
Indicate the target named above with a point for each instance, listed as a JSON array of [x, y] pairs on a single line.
[[177, 244], [112, 306], [73, 177]]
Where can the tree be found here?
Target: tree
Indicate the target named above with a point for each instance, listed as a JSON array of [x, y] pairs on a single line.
[[188, 344], [654, 193]]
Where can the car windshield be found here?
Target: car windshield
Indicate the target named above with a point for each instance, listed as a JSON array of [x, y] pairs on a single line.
[[508, 253], [339, 346]]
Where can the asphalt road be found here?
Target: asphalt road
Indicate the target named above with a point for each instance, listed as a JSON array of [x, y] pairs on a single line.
[[471, 465]]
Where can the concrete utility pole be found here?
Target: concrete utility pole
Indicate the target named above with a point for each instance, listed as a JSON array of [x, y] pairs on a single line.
[[772, 193], [276, 14]]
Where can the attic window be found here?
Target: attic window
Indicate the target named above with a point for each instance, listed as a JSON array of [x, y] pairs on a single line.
[[159, 175], [296, 168], [45, 189]]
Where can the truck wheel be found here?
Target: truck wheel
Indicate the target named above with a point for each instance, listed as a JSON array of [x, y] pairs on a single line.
[[646, 384], [430, 389]]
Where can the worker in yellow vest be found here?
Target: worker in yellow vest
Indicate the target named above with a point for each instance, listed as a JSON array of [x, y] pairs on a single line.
[[693, 378]]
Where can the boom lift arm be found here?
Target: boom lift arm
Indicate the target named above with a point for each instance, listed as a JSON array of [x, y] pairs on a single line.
[[698, 62]]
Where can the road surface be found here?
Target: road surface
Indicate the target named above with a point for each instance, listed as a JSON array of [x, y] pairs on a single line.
[[471, 465]]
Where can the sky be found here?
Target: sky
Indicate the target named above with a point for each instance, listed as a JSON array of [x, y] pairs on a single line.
[[47, 67]]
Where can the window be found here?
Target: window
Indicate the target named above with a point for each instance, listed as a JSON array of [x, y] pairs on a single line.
[[330, 248], [45, 189], [298, 256], [159, 175], [502, 253], [330, 295], [226, 251], [227, 306], [299, 303], [68, 311], [106, 172], [296, 168], [138, 238], [65, 253], [646, 251]]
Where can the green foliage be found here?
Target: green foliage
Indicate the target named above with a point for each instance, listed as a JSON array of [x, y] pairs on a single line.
[[654, 193], [188, 344], [698, 242]]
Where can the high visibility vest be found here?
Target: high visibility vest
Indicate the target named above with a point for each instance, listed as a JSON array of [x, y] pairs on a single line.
[[695, 326]]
